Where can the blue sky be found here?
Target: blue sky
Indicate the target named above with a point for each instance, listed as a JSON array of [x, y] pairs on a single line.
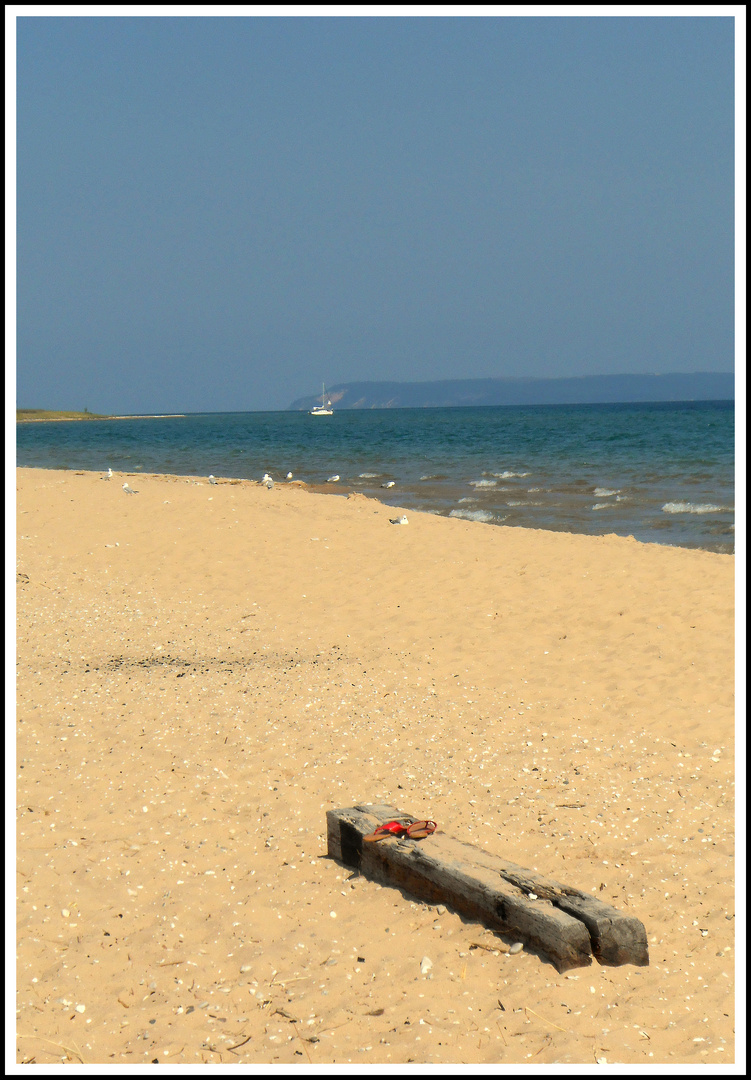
[[218, 213]]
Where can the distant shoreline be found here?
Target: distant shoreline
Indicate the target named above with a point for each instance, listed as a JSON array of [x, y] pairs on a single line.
[[573, 390], [54, 416]]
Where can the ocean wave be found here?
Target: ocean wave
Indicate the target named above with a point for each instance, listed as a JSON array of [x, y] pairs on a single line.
[[695, 508], [602, 506], [368, 475], [507, 475], [473, 515], [484, 483], [602, 493]]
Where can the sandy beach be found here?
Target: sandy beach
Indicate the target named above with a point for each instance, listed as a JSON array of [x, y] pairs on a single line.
[[205, 669]]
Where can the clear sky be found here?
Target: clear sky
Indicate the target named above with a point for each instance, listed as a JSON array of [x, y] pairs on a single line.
[[218, 213]]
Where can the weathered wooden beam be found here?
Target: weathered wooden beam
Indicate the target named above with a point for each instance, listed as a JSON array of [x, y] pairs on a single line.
[[565, 923], [616, 938]]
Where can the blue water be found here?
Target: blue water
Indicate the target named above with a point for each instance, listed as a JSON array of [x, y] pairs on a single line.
[[663, 473]]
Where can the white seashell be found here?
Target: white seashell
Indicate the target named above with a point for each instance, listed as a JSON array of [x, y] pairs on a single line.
[[425, 965], [516, 948]]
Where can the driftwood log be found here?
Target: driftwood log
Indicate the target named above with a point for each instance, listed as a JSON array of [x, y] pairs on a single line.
[[564, 923]]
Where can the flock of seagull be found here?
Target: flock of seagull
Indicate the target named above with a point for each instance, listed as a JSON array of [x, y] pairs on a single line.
[[266, 480]]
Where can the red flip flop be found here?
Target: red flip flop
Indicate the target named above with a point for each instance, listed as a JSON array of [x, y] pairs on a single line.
[[391, 828], [418, 829], [414, 830]]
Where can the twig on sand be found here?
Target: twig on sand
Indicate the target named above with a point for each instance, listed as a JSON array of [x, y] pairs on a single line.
[[59, 1046], [487, 948], [27, 580], [546, 1043], [304, 1043], [550, 1022], [238, 1045], [335, 1026]]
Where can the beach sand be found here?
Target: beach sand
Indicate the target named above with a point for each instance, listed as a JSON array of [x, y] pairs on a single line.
[[205, 670]]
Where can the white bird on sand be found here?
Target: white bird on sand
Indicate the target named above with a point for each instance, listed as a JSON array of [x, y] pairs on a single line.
[[389, 483], [268, 481], [129, 490], [289, 475], [400, 520], [109, 475], [333, 479], [212, 478]]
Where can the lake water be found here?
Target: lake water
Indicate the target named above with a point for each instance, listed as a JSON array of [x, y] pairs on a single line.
[[661, 472]]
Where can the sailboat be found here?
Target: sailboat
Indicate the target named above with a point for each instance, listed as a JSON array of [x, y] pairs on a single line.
[[324, 409]]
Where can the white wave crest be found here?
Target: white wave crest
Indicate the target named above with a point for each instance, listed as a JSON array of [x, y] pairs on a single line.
[[693, 508], [472, 515], [602, 493]]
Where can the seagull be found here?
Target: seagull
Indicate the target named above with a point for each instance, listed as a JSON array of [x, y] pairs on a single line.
[[400, 520], [333, 479], [109, 475], [212, 479], [389, 483], [129, 490], [289, 475]]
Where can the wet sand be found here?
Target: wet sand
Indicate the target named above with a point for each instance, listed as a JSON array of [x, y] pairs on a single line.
[[204, 670]]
